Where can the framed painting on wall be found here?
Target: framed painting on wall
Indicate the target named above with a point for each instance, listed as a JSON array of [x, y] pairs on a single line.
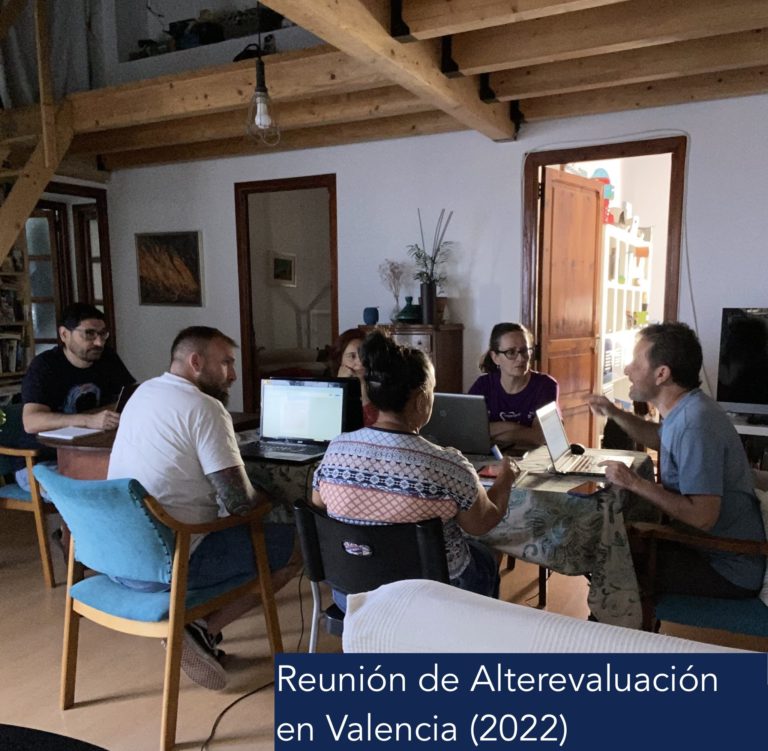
[[283, 269], [170, 270]]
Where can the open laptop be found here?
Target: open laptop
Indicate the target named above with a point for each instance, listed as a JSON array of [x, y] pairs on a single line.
[[461, 421], [299, 416], [564, 461]]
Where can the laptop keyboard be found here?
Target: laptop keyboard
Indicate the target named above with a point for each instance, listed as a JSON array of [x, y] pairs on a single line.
[[581, 463], [277, 450]]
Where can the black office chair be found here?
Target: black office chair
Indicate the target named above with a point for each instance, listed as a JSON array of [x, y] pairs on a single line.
[[355, 558]]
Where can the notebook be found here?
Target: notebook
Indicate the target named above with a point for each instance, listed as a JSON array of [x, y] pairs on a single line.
[[461, 421], [564, 461], [299, 417]]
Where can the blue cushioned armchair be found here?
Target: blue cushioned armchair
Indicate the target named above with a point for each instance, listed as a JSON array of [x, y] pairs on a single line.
[[120, 531], [15, 498]]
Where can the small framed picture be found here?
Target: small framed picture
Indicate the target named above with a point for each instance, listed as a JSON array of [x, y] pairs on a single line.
[[283, 269]]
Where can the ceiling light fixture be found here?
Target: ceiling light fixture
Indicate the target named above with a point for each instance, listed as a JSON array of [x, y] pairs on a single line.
[[261, 119]]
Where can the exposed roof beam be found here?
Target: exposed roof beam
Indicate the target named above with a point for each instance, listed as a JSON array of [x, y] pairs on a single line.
[[425, 123], [624, 26], [720, 85], [743, 50], [356, 27], [289, 76], [427, 19], [375, 103]]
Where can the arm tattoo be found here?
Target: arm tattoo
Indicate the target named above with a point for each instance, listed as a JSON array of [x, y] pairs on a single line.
[[234, 490]]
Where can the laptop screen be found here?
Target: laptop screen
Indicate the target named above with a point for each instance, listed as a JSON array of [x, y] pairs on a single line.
[[554, 432], [301, 410]]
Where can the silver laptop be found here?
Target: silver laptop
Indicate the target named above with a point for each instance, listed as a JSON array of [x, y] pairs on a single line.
[[461, 421], [299, 417], [564, 461]]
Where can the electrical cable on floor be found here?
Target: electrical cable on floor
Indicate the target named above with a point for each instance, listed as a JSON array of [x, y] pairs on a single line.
[[229, 706]]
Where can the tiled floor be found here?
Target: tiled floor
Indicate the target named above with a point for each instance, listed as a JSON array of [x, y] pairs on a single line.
[[120, 677]]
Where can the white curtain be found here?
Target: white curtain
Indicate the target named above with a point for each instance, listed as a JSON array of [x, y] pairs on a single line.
[[69, 40]]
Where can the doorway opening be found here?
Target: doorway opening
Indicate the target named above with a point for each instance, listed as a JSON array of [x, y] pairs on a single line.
[[591, 276], [286, 251]]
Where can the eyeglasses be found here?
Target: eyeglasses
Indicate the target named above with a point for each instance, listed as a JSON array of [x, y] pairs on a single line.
[[91, 335], [512, 353]]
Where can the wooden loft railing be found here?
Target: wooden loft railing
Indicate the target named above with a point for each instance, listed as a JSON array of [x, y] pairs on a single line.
[[29, 171]]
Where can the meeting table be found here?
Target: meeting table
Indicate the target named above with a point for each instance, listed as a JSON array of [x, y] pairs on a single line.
[[577, 536]]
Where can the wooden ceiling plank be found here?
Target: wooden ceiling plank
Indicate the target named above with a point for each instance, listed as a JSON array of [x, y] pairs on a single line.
[[427, 19], [355, 27], [340, 108], [704, 87], [222, 88], [744, 50], [616, 28], [402, 126], [45, 82]]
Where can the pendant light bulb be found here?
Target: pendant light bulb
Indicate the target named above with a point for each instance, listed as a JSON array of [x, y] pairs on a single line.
[[261, 121]]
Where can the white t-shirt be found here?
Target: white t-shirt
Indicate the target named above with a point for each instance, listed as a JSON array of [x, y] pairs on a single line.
[[171, 436]]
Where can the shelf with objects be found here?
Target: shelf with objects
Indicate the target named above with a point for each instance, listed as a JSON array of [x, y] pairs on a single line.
[[444, 343], [14, 320], [626, 278]]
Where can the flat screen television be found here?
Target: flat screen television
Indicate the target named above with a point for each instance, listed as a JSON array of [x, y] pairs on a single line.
[[742, 374]]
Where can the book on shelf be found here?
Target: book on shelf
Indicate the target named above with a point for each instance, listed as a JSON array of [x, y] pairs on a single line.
[[11, 352]]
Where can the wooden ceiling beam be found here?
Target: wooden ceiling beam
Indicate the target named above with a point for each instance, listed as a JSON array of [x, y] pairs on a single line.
[[616, 28], [427, 19], [359, 28], [745, 50], [402, 126], [720, 85], [289, 76], [376, 103]]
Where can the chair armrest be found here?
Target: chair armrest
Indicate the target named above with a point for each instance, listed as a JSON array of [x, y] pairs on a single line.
[[650, 531], [223, 523], [8, 451]]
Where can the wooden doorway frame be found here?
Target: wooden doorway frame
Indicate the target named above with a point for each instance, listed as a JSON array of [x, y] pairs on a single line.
[[676, 146], [242, 191]]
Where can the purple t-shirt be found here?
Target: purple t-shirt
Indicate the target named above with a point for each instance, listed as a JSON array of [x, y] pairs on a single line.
[[521, 408]]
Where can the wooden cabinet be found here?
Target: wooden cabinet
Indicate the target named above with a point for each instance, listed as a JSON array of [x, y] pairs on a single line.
[[444, 344]]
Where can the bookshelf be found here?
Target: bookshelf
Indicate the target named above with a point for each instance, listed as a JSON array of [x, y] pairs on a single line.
[[14, 319]]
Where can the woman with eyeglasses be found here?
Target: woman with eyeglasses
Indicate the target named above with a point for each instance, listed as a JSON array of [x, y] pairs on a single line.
[[513, 392]]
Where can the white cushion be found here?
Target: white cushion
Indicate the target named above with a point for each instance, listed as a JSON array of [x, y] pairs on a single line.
[[762, 496]]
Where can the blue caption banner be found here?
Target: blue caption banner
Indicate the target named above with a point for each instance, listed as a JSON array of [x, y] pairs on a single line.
[[465, 701]]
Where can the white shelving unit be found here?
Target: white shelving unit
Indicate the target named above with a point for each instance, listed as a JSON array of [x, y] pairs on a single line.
[[626, 275]]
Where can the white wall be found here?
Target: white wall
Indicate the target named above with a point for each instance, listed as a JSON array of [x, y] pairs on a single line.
[[380, 186]]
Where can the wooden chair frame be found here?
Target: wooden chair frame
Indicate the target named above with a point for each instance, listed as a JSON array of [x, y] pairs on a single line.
[[652, 533], [39, 507], [179, 616]]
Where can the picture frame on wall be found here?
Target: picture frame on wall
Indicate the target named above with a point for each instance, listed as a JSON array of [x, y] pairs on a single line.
[[170, 268], [282, 269]]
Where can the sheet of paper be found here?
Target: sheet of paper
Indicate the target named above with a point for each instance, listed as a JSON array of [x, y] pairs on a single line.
[[68, 434]]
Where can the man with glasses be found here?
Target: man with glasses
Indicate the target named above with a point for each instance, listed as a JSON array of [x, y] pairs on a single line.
[[66, 386]]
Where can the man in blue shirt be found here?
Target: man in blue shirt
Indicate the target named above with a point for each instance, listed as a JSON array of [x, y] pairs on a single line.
[[706, 481]]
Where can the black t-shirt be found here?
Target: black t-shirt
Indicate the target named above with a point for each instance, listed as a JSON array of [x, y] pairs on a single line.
[[52, 380]]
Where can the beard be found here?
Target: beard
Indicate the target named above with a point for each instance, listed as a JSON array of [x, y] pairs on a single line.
[[216, 390]]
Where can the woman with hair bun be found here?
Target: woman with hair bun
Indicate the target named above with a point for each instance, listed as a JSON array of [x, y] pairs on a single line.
[[345, 363], [388, 473], [513, 392]]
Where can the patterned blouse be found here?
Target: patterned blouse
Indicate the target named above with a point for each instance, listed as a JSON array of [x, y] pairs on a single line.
[[374, 476]]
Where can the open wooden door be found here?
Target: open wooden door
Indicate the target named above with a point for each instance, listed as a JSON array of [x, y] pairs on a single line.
[[571, 237]]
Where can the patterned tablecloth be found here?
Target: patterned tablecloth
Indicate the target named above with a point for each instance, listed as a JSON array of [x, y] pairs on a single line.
[[284, 483], [574, 536]]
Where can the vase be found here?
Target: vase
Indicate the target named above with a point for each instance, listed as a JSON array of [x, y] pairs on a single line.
[[410, 313], [370, 316], [428, 295]]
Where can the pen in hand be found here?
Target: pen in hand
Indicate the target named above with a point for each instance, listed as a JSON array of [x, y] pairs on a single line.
[[497, 453]]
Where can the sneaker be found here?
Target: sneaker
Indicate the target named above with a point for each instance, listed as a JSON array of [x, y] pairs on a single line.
[[199, 660], [212, 642]]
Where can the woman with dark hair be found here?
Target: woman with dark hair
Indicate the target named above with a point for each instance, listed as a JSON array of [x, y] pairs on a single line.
[[345, 363], [388, 473], [513, 392]]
